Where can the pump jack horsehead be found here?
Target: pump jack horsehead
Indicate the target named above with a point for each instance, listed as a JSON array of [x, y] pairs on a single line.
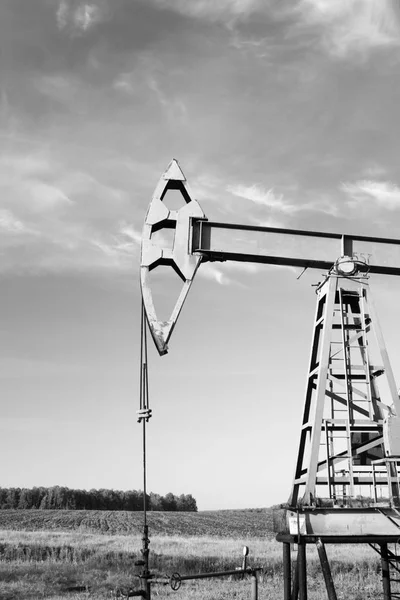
[[184, 263], [350, 434]]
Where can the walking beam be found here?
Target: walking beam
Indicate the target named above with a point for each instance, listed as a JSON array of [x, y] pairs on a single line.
[[216, 242]]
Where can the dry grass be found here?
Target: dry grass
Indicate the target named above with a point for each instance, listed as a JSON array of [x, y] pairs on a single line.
[[51, 564]]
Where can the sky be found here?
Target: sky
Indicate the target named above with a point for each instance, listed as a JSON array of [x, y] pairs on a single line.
[[281, 113]]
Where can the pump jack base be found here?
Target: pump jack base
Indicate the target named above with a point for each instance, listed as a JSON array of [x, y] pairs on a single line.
[[376, 526], [338, 525]]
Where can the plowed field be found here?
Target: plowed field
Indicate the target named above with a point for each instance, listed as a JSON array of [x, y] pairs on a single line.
[[224, 523]]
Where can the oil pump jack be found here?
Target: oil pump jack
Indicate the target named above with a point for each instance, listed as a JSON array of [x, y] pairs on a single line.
[[346, 486]]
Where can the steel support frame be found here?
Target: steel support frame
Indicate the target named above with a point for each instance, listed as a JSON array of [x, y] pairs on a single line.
[[387, 593], [357, 322], [295, 576]]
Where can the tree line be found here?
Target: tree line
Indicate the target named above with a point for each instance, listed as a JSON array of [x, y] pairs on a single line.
[[56, 498]]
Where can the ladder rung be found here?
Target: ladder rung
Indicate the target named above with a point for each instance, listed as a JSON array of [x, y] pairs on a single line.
[[348, 326], [355, 346], [350, 376]]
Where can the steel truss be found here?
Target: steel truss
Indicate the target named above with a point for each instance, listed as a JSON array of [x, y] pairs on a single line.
[[342, 431]]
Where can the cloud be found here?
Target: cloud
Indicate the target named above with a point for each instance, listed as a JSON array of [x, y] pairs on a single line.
[[121, 249], [79, 17], [173, 105], [45, 196], [24, 164], [209, 9], [267, 197], [23, 182], [262, 196], [119, 255], [126, 82], [228, 272], [132, 233], [150, 77], [63, 90], [10, 224], [213, 272], [384, 193], [54, 218], [374, 170], [349, 27], [232, 272], [62, 14]]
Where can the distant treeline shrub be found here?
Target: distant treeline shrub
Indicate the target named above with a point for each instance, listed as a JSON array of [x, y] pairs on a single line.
[[56, 498]]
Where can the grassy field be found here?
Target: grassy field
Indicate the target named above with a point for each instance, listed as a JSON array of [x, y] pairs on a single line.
[[74, 556]]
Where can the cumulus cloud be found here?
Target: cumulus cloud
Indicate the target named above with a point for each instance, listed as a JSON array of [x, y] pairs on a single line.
[[78, 17], [385, 194], [353, 26], [62, 14]]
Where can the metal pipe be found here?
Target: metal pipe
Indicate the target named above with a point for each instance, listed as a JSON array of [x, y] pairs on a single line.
[[326, 570], [347, 245], [145, 575], [244, 561], [287, 572], [254, 586], [302, 566], [385, 572], [249, 571]]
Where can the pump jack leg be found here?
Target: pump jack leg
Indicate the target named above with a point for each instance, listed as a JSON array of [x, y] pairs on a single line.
[[295, 590], [387, 594], [326, 570], [302, 566], [287, 572]]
